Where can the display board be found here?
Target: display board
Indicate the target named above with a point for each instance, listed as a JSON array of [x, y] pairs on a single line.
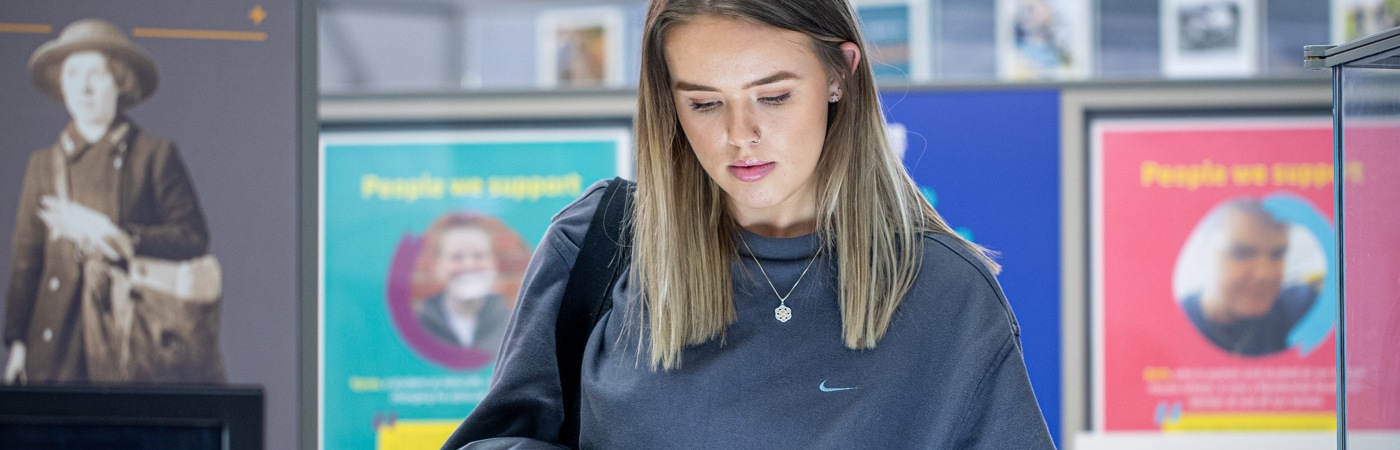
[[148, 195], [425, 237], [1213, 274], [1001, 190]]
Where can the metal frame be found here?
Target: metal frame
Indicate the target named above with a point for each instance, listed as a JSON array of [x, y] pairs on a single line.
[[1374, 51], [489, 106], [1338, 170], [1351, 52], [308, 133]]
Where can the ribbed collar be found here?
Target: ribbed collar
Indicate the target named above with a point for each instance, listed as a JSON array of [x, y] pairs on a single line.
[[799, 248]]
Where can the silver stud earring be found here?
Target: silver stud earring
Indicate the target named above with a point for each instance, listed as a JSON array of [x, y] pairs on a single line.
[[835, 96]]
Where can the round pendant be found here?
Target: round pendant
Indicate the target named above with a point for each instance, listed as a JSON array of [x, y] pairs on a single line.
[[783, 313]]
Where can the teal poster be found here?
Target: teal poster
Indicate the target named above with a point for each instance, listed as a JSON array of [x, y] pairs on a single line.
[[425, 237], [897, 34]]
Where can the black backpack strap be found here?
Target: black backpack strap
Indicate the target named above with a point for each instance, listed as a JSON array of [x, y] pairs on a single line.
[[589, 293]]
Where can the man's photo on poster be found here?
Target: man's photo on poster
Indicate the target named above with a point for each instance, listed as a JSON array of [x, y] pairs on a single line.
[[465, 278], [1245, 277]]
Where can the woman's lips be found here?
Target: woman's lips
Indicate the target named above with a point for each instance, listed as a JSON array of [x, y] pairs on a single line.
[[750, 171]]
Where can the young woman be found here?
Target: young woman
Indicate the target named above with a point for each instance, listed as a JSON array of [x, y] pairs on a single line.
[[789, 286]]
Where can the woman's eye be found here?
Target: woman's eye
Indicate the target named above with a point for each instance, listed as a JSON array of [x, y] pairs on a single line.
[[705, 106], [775, 100]]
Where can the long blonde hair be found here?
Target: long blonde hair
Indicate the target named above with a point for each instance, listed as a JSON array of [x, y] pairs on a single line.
[[871, 216]]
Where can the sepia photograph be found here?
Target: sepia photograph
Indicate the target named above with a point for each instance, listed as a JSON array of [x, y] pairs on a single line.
[[112, 278], [148, 207]]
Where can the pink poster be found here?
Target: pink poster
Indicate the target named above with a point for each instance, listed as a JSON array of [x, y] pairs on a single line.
[[1214, 274], [1372, 263]]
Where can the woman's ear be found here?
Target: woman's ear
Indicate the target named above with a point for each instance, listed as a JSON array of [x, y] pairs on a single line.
[[852, 53]]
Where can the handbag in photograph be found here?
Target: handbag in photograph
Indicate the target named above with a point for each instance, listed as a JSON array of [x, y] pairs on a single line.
[[138, 331]]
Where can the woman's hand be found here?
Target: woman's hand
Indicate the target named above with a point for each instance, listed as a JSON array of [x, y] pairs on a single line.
[[91, 230], [14, 368]]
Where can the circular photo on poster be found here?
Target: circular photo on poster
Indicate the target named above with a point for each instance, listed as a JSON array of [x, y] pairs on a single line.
[[1251, 271], [452, 290]]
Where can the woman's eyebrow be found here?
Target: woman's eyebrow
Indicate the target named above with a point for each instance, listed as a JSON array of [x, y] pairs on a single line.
[[774, 78]]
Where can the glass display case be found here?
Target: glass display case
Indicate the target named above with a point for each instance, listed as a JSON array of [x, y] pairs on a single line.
[[1366, 133]]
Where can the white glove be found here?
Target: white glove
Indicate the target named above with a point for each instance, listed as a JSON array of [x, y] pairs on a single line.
[[14, 368], [91, 230]]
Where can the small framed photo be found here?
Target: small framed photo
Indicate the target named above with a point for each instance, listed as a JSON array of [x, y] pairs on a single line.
[[1210, 38], [579, 47], [1043, 39], [1354, 19], [897, 36]]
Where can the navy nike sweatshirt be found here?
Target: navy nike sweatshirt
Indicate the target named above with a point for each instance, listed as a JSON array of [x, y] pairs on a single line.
[[949, 373]]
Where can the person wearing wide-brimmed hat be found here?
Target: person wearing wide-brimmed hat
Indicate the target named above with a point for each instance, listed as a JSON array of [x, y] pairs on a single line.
[[106, 191]]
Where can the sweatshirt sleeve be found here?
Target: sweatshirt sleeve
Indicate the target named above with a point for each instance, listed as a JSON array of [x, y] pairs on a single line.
[[179, 231], [1003, 413], [999, 409], [523, 409]]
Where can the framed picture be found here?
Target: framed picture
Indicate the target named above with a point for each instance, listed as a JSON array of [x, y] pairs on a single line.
[[1210, 38], [897, 37], [1043, 39], [1353, 19], [179, 130], [1213, 274], [579, 47]]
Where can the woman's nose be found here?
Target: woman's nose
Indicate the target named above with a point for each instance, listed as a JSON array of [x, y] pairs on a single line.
[[742, 128]]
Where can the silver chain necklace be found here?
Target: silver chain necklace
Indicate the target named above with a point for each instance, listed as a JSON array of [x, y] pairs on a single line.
[[783, 313]]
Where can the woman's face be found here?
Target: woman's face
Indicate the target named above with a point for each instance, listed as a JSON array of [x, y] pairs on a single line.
[[466, 263], [752, 100], [89, 89]]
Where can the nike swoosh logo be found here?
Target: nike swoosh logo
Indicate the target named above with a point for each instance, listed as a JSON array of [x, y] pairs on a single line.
[[832, 389]]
